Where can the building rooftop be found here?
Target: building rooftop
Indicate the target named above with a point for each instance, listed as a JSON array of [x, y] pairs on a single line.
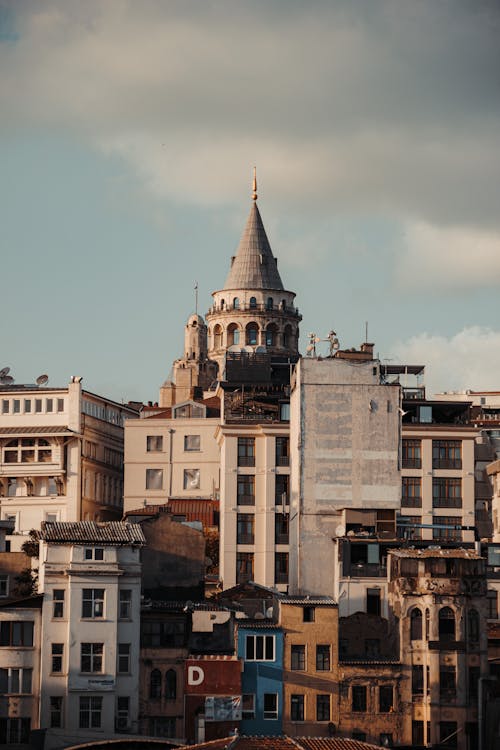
[[91, 532], [284, 743], [467, 554]]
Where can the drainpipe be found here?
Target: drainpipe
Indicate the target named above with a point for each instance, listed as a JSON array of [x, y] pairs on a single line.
[[171, 461]]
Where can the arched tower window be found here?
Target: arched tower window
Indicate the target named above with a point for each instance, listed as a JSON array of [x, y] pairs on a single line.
[[171, 684], [472, 625], [217, 336], [271, 335], [155, 684], [253, 303], [233, 335], [446, 624], [416, 625], [269, 303], [287, 337], [236, 303], [283, 304], [252, 334], [222, 304]]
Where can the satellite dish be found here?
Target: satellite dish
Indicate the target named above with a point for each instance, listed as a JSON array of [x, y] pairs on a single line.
[[42, 379], [340, 530], [4, 372], [6, 380]]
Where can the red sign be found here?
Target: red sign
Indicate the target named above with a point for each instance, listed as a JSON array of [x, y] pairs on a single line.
[[213, 677]]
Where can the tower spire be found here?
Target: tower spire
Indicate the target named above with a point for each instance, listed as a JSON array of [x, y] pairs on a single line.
[[254, 184]]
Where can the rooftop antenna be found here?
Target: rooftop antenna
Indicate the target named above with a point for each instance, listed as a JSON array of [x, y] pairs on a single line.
[[196, 297], [366, 332], [254, 184]]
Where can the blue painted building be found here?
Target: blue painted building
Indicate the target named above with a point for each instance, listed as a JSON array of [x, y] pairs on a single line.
[[260, 645]]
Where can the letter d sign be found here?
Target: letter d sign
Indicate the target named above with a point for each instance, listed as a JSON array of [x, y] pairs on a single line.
[[196, 675]]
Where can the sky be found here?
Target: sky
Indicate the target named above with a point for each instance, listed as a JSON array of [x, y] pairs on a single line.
[[128, 136]]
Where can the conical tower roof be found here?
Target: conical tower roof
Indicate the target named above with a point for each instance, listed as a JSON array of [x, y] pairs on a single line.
[[254, 265]]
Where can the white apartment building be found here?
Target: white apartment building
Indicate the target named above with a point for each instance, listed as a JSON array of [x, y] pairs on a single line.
[[61, 456], [90, 576]]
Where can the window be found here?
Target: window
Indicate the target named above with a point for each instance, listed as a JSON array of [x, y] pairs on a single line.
[[446, 493], [56, 704], [446, 624], [233, 335], [162, 726], [473, 684], [373, 601], [246, 451], [322, 708], [90, 711], [248, 706], [4, 586], [445, 528], [472, 626], [191, 479], [245, 528], [27, 405], [417, 680], [192, 442], [298, 657], [16, 681], [446, 454], [252, 334], [94, 553], [323, 657], [297, 707], [253, 303], [236, 303], [308, 614], [5, 406], [282, 490], [154, 479], [27, 451], [155, 684], [358, 698], [270, 706], [411, 496], [125, 604], [91, 657], [412, 454], [385, 699], [372, 647], [57, 657], [14, 731], [492, 601], [246, 489], [122, 713], [154, 443], [93, 603], [417, 733], [259, 648], [416, 625], [58, 603], [385, 739], [38, 406], [170, 634], [447, 684], [60, 404], [281, 567], [281, 528], [282, 451], [269, 303], [16, 633], [448, 735], [16, 406], [271, 335], [171, 685], [124, 658]]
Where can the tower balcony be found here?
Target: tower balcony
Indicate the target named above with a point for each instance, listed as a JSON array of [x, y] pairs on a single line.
[[280, 310]]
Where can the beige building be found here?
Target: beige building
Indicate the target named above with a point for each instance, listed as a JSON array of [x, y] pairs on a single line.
[[61, 456]]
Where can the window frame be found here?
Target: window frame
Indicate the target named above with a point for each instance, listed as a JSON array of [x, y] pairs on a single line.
[[297, 707], [298, 657], [264, 644], [270, 714], [93, 603], [95, 657], [94, 709]]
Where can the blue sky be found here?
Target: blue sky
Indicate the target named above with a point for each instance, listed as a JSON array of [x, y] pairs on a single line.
[[127, 140]]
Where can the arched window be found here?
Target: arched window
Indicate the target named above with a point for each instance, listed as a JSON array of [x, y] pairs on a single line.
[[283, 304], [217, 336], [271, 335], [233, 335], [155, 684], [416, 625], [171, 684], [222, 304], [446, 624], [287, 337], [253, 303], [472, 625], [252, 332], [236, 303], [269, 303], [427, 624]]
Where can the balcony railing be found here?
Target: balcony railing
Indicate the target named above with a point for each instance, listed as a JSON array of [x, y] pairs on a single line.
[[280, 577], [282, 460], [281, 538], [246, 460], [446, 463], [447, 502], [246, 500], [367, 570], [412, 463], [280, 309], [245, 539]]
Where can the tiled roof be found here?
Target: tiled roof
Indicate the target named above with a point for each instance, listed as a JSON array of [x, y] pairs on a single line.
[[251, 624], [91, 532], [179, 606], [46, 430], [254, 265], [333, 743], [284, 743], [316, 601]]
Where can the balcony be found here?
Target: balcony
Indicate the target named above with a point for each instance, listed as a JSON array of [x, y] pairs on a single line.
[[277, 310], [246, 500], [281, 538], [246, 460], [446, 463], [245, 539], [412, 463], [282, 460], [414, 394], [367, 570]]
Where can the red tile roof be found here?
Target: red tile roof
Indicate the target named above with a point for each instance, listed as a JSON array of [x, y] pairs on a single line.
[[284, 743]]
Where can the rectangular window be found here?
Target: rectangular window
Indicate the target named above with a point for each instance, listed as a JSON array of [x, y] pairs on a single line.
[[417, 680], [122, 713], [297, 707], [281, 567], [445, 528], [49, 405], [412, 454], [259, 647], [492, 604], [270, 706], [191, 479], [16, 406], [405, 529], [192, 442], [448, 735], [282, 451], [373, 601], [446, 493], [125, 604], [359, 698], [308, 614], [16, 633], [60, 404], [38, 406], [154, 479], [323, 658], [473, 683], [4, 586], [58, 603], [282, 490], [57, 657], [447, 684], [91, 657], [446, 454], [281, 528], [417, 733], [248, 706], [56, 704], [298, 657], [27, 405], [94, 553], [245, 528], [322, 708], [5, 406], [16, 681], [244, 567], [246, 489], [15, 731], [90, 711], [124, 658], [93, 603], [385, 699], [411, 496], [154, 443], [246, 451]]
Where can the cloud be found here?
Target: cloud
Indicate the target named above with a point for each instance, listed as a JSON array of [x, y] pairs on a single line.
[[346, 108], [468, 360]]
